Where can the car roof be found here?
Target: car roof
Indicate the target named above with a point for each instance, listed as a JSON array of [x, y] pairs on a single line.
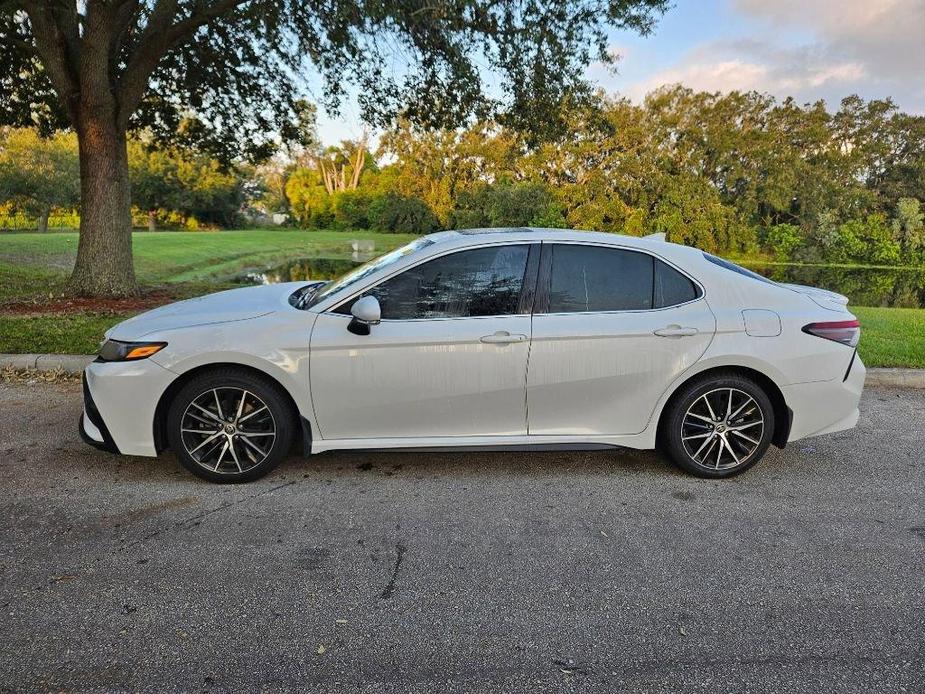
[[464, 237]]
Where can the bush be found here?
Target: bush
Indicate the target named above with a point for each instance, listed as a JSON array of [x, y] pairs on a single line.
[[402, 215], [868, 240], [351, 209], [783, 240]]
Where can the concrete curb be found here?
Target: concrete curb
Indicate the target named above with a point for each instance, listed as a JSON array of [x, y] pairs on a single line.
[[68, 363], [903, 378], [76, 363]]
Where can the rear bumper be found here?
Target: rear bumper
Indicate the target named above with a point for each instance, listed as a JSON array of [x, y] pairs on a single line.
[[824, 407]]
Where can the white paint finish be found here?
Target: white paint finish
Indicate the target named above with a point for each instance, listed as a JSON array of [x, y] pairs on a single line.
[[126, 396], [602, 378], [822, 407], [761, 322], [419, 378], [213, 309], [602, 373]]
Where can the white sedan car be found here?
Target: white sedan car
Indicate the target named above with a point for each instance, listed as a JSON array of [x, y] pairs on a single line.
[[523, 338]]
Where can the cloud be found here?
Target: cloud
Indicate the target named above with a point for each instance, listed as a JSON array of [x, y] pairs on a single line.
[[870, 47]]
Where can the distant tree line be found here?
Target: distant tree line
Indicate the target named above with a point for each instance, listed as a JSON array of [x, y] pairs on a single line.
[[171, 188], [741, 173]]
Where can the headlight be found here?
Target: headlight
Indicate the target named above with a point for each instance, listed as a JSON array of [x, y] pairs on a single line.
[[113, 350]]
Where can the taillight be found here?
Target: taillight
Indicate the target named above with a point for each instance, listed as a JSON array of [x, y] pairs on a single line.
[[848, 332]]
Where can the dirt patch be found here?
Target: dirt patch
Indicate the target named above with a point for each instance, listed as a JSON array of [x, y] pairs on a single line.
[[61, 304]]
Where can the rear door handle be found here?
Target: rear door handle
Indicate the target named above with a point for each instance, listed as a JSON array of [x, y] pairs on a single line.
[[502, 337], [675, 331]]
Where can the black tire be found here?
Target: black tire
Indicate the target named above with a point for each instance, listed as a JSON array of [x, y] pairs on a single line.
[[229, 388], [685, 430]]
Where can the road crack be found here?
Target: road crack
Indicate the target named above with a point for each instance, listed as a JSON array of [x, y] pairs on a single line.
[[390, 588]]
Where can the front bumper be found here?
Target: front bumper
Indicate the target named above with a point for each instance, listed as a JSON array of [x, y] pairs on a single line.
[[93, 429], [120, 401]]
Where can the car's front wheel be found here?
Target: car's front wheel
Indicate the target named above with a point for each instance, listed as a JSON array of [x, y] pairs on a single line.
[[230, 425], [718, 426]]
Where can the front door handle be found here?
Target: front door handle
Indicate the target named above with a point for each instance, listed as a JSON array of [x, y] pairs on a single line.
[[675, 331], [502, 337]]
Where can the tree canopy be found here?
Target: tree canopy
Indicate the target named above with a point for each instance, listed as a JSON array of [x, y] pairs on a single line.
[[227, 74]]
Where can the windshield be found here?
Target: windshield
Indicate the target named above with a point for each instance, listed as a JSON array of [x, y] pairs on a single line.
[[369, 268]]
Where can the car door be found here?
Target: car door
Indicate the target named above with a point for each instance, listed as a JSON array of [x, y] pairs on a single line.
[[448, 359], [613, 328]]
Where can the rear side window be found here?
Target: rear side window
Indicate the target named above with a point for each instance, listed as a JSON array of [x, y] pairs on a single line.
[[592, 278], [671, 287]]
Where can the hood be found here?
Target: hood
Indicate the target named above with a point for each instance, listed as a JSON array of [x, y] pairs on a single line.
[[821, 297], [221, 307]]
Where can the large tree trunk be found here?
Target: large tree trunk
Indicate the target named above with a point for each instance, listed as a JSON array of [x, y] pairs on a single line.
[[104, 254]]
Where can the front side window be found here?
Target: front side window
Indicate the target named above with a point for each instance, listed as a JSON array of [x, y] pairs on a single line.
[[466, 284], [368, 269], [593, 278]]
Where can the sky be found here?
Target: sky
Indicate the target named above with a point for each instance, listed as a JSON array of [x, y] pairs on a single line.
[[808, 49]]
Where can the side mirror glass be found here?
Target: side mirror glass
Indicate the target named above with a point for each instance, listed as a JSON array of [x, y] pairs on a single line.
[[366, 312]]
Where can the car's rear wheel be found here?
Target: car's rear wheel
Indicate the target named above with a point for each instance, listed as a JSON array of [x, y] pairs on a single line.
[[230, 425], [718, 426]]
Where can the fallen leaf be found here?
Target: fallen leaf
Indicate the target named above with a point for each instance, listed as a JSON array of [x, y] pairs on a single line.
[[321, 649]]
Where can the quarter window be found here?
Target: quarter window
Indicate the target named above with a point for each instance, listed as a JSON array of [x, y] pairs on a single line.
[[671, 287], [467, 284]]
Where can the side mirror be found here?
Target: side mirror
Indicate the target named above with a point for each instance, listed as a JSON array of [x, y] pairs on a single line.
[[366, 312]]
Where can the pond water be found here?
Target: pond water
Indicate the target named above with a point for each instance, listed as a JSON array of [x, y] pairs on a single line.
[[304, 269], [863, 286]]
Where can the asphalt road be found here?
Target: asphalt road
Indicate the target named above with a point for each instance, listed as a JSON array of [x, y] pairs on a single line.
[[593, 571]]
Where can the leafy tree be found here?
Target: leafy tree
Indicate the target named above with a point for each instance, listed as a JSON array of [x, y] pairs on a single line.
[[507, 205], [191, 183], [309, 201], [909, 226], [38, 173], [784, 240], [351, 209], [402, 215], [220, 73]]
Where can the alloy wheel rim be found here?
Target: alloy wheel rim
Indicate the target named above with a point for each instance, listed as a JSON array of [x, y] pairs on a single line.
[[722, 429], [228, 431]]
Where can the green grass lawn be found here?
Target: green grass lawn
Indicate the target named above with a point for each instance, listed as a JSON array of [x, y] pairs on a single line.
[[38, 264], [892, 336], [33, 266]]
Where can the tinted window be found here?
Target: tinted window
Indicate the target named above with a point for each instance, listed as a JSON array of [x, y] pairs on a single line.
[[367, 269], [737, 269], [480, 282], [671, 287], [591, 278]]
